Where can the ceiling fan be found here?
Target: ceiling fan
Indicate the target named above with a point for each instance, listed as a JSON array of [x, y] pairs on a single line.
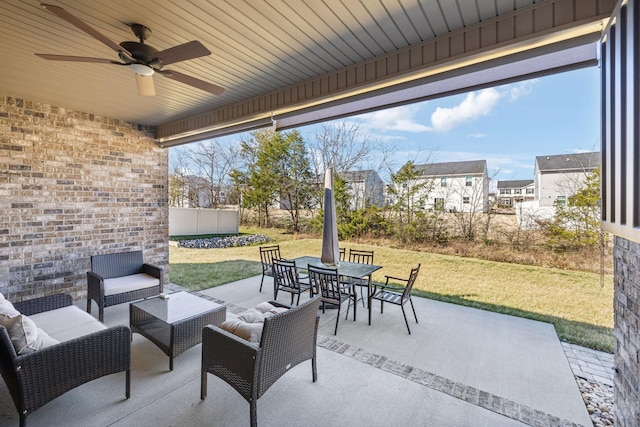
[[143, 59]]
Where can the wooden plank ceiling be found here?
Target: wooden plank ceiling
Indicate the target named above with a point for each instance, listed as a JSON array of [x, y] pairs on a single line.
[[258, 47]]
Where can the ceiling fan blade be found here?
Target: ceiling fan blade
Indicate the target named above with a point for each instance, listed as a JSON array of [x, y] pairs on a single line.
[[190, 50], [145, 85], [75, 58], [192, 81], [61, 13]]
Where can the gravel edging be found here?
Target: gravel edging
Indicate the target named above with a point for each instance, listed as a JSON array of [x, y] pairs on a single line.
[[224, 242], [598, 398]]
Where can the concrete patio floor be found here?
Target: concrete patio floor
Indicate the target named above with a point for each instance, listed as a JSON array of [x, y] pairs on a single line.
[[459, 367]]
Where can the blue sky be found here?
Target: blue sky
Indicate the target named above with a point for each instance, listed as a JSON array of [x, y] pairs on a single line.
[[507, 125]]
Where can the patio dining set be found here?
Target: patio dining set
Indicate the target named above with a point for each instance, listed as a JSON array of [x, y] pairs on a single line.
[[337, 283]]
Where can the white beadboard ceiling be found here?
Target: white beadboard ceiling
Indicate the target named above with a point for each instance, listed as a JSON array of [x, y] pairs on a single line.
[[258, 46]]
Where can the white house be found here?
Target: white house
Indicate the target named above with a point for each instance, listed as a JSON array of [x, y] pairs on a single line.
[[521, 190], [558, 177], [456, 186]]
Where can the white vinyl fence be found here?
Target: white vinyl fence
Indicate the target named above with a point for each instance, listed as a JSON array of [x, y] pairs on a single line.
[[189, 221]]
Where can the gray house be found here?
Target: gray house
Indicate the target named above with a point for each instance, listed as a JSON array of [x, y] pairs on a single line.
[[559, 177], [366, 188], [510, 192]]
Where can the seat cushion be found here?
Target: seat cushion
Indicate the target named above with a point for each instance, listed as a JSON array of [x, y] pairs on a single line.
[[248, 324], [119, 285], [67, 323]]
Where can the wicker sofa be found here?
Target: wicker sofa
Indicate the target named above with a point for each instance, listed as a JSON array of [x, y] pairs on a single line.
[[121, 277], [287, 339], [79, 349]]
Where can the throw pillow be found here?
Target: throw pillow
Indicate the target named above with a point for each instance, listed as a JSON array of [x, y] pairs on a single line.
[[24, 335], [249, 323], [7, 311]]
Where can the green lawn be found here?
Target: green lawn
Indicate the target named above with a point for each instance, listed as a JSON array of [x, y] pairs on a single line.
[[574, 302]]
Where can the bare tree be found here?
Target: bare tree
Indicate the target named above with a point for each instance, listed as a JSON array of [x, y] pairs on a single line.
[[213, 162], [339, 145]]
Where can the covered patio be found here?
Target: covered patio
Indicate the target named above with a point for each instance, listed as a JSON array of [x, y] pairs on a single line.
[[459, 367], [83, 167]]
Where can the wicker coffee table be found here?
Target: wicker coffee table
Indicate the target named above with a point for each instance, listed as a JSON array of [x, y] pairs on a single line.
[[174, 324]]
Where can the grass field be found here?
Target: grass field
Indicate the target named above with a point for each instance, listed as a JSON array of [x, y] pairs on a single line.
[[576, 303]]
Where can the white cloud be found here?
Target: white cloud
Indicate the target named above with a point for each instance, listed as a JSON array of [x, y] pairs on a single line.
[[521, 89], [478, 135], [476, 104], [394, 119]]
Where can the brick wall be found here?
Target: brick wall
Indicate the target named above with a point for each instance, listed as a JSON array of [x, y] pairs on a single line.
[[627, 332], [72, 185]]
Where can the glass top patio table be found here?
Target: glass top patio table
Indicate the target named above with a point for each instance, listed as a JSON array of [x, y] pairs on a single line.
[[345, 268]]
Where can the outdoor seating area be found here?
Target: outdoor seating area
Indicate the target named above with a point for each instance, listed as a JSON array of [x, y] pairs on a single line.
[[459, 367]]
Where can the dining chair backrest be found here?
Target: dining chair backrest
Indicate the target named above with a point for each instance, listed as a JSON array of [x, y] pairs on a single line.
[[267, 255], [360, 256], [411, 281], [326, 281], [285, 273], [343, 253]]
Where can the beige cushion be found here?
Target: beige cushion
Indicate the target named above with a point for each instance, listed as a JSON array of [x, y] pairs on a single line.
[[47, 341], [24, 334], [67, 323], [248, 325], [7, 312], [119, 285]]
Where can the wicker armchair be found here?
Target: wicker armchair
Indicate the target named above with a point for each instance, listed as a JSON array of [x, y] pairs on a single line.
[[117, 265], [36, 378], [288, 339]]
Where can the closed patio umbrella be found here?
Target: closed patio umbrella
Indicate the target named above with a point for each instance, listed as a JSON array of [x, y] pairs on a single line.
[[330, 251]]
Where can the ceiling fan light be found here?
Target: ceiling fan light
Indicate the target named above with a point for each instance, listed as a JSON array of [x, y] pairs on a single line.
[[143, 70]]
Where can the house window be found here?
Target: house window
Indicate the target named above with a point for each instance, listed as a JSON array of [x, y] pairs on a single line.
[[517, 191], [438, 204], [465, 200], [443, 182], [468, 181], [561, 201], [505, 202], [529, 190], [507, 191]]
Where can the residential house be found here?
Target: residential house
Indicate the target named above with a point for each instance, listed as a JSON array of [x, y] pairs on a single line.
[[558, 177], [456, 186], [365, 187], [520, 190]]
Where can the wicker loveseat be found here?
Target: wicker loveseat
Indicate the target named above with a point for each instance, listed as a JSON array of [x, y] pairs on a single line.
[[121, 277], [287, 339], [79, 349]]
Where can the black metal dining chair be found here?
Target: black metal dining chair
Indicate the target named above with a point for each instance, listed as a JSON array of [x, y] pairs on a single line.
[[394, 294], [267, 255], [326, 282], [361, 257], [287, 279]]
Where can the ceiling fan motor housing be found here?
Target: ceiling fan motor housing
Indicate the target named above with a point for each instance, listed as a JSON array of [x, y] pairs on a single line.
[[142, 53]]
